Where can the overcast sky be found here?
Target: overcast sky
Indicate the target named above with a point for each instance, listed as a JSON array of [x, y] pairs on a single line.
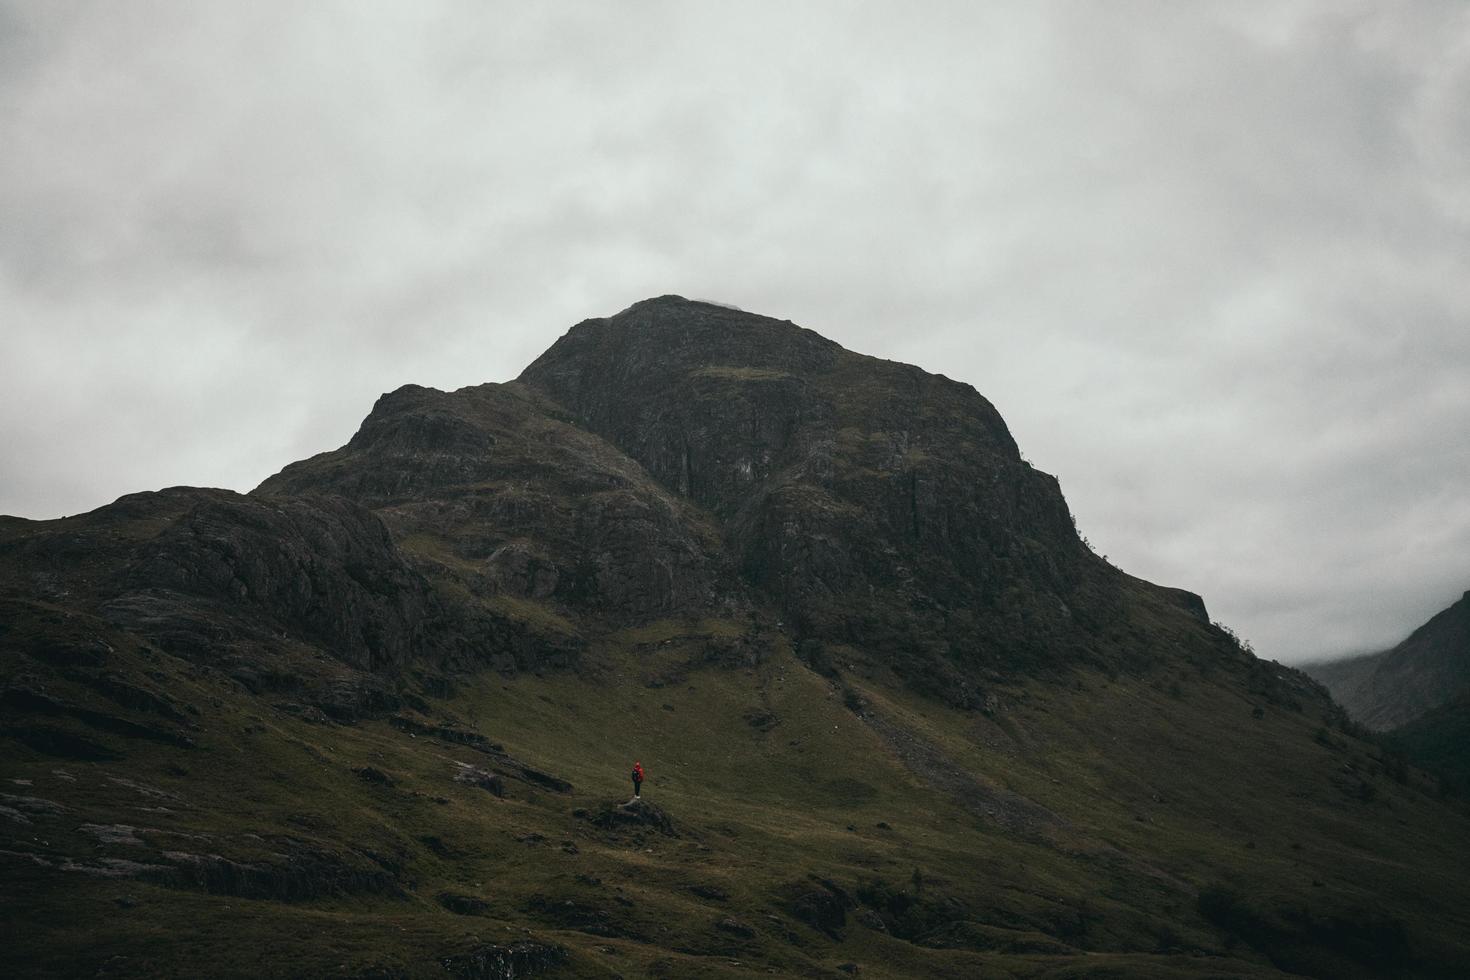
[[1210, 261]]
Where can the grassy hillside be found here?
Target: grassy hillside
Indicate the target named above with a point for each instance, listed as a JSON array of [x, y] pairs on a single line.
[[818, 825]]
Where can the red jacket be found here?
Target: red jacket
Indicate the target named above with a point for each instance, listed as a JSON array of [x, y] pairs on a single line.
[[637, 774]]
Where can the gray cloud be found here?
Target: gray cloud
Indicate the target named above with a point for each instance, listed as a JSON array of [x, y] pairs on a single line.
[[1210, 261]]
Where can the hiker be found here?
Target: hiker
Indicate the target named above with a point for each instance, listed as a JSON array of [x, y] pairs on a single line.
[[637, 780]]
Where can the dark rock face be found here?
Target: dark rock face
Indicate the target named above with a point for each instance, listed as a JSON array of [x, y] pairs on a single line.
[[303, 873], [28, 694], [488, 781], [59, 743], [505, 764], [308, 598], [755, 409], [294, 871], [875, 503], [462, 904], [377, 777], [198, 571], [532, 521]]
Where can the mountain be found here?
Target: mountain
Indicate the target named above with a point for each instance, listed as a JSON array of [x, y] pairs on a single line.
[[1392, 688], [373, 719]]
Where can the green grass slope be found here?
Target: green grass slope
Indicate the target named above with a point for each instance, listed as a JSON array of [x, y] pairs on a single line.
[[159, 820]]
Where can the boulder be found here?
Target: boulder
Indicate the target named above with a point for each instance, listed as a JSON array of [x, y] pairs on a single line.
[[637, 814], [507, 961], [472, 776]]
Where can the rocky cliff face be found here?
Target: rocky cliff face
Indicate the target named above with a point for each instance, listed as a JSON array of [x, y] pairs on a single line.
[[539, 533], [304, 599], [877, 505], [204, 573], [1426, 671]]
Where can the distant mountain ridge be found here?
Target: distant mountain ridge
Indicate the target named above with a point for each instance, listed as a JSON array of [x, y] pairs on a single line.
[[1391, 688]]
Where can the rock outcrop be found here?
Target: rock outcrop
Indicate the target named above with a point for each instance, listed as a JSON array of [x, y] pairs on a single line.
[[635, 815], [537, 531], [505, 962], [203, 573]]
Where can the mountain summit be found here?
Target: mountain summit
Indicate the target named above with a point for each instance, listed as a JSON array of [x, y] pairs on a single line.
[[375, 718], [871, 501], [741, 459]]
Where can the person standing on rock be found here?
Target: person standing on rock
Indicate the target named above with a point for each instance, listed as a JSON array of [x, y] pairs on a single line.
[[637, 780]]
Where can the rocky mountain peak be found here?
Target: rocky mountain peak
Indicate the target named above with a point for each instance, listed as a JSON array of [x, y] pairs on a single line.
[[870, 500], [658, 341], [686, 460]]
